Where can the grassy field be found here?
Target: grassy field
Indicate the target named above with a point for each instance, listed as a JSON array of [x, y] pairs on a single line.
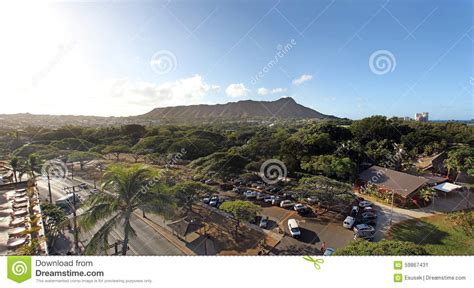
[[437, 233]]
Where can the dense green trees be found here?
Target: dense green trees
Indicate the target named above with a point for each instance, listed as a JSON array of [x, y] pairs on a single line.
[[381, 248], [83, 157], [332, 148]]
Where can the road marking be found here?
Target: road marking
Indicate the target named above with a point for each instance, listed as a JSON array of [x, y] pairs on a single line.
[[290, 213]]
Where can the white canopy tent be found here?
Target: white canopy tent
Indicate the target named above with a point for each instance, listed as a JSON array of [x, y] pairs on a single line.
[[447, 187]]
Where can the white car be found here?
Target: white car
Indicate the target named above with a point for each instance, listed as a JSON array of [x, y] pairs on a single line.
[[312, 200], [365, 203], [287, 204], [260, 196], [348, 222], [369, 209], [294, 228], [329, 251], [298, 206], [250, 194], [268, 198], [364, 228]]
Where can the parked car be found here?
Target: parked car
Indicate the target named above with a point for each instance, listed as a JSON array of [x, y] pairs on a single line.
[[268, 198], [364, 228], [287, 204], [206, 200], [348, 222], [365, 203], [369, 221], [365, 236], [214, 201], [370, 215], [274, 189], [83, 186], [264, 222], [329, 251], [260, 196], [294, 228], [250, 194], [276, 200], [370, 209], [298, 206], [304, 211], [312, 200], [354, 211], [94, 191]]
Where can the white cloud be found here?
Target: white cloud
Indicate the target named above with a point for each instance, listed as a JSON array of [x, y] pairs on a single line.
[[262, 91], [236, 90], [278, 90], [303, 78], [186, 91]]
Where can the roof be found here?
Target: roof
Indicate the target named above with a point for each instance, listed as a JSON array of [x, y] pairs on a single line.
[[184, 227], [401, 183], [425, 163], [434, 180], [447, 187]]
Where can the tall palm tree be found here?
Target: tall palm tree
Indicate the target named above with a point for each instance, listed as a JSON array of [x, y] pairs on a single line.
[[14, 164], [125, 189], [452, 163]]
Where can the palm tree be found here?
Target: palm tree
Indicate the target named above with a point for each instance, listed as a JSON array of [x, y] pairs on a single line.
[[452, 163], [14, 164], [125, 189]]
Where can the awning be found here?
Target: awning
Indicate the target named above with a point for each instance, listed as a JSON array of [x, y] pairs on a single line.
[[447, 187]]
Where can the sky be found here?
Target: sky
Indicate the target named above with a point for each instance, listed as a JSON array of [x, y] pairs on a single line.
[[346, 58]]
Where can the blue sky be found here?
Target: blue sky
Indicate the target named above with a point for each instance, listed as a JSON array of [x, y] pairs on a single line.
[[111, 56]]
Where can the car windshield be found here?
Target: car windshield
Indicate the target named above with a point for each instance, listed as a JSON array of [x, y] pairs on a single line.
[[295, 230]]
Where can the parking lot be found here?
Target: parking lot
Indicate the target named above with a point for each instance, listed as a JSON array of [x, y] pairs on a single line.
[[315, 229], [318, 227]]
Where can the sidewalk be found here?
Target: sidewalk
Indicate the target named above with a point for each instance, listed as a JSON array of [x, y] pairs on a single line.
[[153, 221]]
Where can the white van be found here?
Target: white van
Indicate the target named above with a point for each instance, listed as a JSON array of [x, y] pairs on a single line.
[[67, 201], [294, 228]]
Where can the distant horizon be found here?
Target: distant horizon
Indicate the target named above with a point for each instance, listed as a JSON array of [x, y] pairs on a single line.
[[241, 100]]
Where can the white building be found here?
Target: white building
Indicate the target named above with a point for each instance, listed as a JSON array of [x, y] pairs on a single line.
[[422, 117]]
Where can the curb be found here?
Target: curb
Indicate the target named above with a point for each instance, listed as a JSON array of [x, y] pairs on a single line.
[[166, 235]]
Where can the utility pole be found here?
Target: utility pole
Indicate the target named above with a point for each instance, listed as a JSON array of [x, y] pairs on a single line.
[[74, 217], [49, 189], [76, 232], [391, 213]]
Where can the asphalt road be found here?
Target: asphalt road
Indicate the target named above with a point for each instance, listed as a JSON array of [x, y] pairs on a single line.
[[147, 241]]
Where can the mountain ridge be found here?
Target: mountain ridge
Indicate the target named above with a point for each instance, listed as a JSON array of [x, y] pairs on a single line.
[[283, 108]]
